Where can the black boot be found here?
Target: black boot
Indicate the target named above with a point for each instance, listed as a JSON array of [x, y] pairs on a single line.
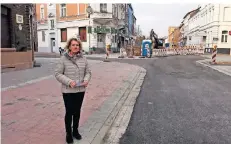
[[69, 138], [77, 135]]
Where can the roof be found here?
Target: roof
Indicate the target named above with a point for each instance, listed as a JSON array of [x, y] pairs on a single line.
[[194, 12], [191, 12], [181, 25]]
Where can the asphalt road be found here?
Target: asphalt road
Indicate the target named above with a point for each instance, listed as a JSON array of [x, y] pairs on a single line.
[[180, 103]]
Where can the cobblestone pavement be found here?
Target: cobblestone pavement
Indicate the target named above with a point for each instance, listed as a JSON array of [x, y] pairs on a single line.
[[34, 113]]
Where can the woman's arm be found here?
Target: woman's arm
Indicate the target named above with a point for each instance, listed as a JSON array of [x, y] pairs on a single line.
[[59, 73], [87, 76]]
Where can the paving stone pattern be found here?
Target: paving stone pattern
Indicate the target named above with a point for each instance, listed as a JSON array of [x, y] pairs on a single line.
[[34, 113]]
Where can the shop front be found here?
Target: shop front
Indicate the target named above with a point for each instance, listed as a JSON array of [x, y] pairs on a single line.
[[103, 36]]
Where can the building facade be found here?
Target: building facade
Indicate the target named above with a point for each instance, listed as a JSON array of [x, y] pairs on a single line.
[[17, 41], [176, 38], [210, 25], [130, 22], [59, 22], [171, 30], [122, 25]]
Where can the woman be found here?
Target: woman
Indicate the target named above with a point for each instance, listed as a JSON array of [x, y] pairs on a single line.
[[74, 74]]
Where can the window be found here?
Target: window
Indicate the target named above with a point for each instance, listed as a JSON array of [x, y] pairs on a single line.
[[63, 35], [43, 36], [63, 10], [52, 24], [41, 12], [114, 10], [83, 33], [226, 15], [224, 36], [103, 8], [113, 7]]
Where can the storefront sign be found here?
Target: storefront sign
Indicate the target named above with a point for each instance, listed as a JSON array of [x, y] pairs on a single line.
[[102, 29]]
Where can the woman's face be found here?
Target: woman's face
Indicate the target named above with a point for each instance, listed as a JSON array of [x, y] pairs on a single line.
[[74, 47]]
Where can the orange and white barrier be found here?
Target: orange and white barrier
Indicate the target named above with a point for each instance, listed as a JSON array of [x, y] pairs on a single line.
[[188, 50]]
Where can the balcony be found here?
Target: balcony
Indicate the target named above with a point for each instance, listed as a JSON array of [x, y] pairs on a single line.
[[101, 15]]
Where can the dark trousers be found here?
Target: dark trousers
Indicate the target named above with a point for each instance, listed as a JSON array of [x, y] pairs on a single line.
[[73, 103]]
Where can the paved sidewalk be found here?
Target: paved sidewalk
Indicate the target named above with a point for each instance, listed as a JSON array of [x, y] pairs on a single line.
[[226, 69], [219, 57], [34, 113]]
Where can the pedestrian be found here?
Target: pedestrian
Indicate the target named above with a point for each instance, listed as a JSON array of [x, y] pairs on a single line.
[[60, 51], [74, 74]]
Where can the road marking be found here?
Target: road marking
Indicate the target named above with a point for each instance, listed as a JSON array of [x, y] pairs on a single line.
[[26, 83]]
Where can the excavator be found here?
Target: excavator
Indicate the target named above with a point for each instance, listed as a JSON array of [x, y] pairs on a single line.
[[156, 42]]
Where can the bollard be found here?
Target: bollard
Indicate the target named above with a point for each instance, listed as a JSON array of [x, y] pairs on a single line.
[[214, 54]]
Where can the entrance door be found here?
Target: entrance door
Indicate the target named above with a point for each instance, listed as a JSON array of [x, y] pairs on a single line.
[[52, 44], [101, 40], [5, 28]]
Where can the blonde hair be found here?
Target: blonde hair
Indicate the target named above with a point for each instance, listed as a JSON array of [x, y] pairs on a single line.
[[67, 47]]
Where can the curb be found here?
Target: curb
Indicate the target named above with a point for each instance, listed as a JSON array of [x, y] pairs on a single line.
[[119, 126], [212, 67], [96, 128]]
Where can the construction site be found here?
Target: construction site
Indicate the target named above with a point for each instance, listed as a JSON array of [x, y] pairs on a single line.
[[153, 46]]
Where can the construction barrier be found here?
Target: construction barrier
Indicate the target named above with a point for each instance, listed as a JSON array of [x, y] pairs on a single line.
[[214, 55], [160, 52], [188, 50]]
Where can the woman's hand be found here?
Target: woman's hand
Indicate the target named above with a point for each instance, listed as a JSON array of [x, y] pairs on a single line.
[[72, 84], [85, 83]]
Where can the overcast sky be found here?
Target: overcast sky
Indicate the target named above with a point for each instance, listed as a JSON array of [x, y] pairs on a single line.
[[160, 16]]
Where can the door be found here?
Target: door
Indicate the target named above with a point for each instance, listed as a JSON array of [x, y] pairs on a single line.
[[147, 48], [144, 50], [101, 40], [5, 28], [52, 44]]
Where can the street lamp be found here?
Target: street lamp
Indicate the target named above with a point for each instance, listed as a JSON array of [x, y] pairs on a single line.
[[89, 11]]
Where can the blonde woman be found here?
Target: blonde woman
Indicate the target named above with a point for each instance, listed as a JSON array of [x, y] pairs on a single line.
[[74, 74]]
